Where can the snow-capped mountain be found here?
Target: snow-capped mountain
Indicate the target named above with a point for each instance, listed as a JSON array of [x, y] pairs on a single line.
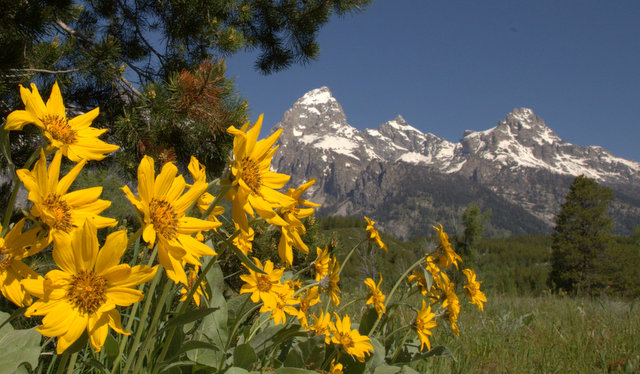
[[518, 167]]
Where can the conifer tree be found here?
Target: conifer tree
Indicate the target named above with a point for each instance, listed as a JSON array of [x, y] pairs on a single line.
[[154, 67], [581, 237]]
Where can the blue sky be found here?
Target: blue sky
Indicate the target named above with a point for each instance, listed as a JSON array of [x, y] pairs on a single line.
[[447, 66]]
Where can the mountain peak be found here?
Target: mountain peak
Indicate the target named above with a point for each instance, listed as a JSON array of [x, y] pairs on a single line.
[[318, 96]]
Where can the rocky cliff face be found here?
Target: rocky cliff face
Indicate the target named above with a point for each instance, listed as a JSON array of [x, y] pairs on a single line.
[[407, 180]]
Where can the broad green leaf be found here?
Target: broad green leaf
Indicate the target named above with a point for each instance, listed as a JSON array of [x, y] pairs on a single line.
[[294, 358], [408, 370], [190, 316], [439, 351], [386, 369], [18, 346], [313, 351], [367, 321], [214, 325], [191, 345], [377, 356], [110, 347], [294, 371], [236, 370], [244, 356]]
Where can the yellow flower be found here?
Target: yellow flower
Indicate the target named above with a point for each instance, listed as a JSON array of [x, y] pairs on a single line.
[[447, 255], [244, 240], [336, 368], [57, 209], [350, 340], [254, 184], [197, 171], [200, 291], [309, 299], [263, 287], [321, 264], [375, 296], [292, 232], [423, 324], [74, 137], [451, 303], [15, 246], [472, 289], [329, 283], [419, 277], [374, 235], [161, 207], [84, 292], [284, 305], [320, 326]]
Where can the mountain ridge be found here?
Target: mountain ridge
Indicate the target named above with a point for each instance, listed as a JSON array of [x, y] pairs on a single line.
[[521, 161]]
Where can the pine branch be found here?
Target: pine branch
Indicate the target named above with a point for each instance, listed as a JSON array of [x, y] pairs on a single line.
[[45, 71]]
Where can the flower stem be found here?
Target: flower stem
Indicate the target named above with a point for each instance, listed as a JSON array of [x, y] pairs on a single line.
[[393, 290], [349, 255], [63, 362], [72, 363], [143, 317]]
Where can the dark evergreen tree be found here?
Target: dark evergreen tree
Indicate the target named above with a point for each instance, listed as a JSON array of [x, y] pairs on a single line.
[[581, 238], [473, 220], [154, 67]]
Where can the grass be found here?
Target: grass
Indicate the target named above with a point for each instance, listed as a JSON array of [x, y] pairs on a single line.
[[547, 334]]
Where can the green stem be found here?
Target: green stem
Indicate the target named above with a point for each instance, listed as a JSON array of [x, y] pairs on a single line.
[[72, 363], [154, 322], [399, 347], [310, 285], [350, 254], [134, 310], [393, 290], [63, 362], [238, 322], [349, 303], [185, 303], [143, 317]]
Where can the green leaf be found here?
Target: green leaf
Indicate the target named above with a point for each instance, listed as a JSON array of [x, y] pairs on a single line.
[[18, 346], [5, 145], [294, 358], [214, 325], [273, 336], [244, 356], [191, 345], [313, 351], [368, 319], [247, 261], [408, 370], [236, 370], [378, 355], [110, 347], [96, 365], [439, 351], [294, 371], [386, 369], [190, 316]]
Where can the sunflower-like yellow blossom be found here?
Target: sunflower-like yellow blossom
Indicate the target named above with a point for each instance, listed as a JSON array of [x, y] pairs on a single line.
[[321, 264], [451, 303], [285, 304], [200, 291], [83, 294], [161, 207], [419, 277], [447, 255], [253, 184], [350, 339], [309, 299], [472, 289], [320, 326], [263, 287], [329, 283], [374, 235], [57, 209], [292, 232], [197, 171], [375, 296], [75, 137], [15, 246], [244, 240], [336, 368], [425, 321]]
